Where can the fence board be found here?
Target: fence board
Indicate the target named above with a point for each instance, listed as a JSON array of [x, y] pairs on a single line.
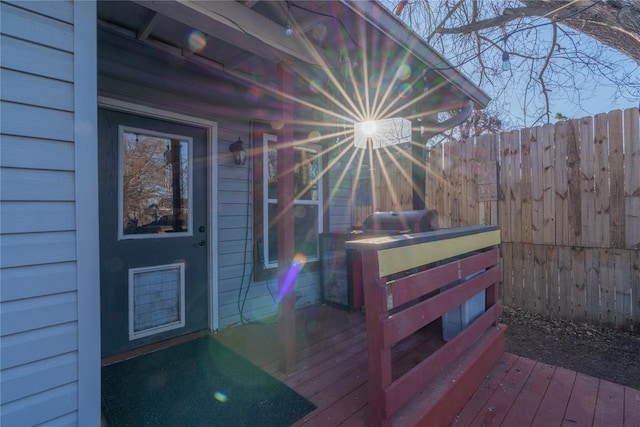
[[448, 167], [588, 207], [562, 131], [516, 201], [551, 273], [471, 184], [528, 279], [433, 176], [503, 198], [607, 287], [574, 183], [616, 202], [578, 279], [525, 187], [622, 283], [540, 278], [548, 188], [507, 274], [518, 267], [635, 289], [632, 178], [601, 170], [592, 283], [537, 205], [565, 291]]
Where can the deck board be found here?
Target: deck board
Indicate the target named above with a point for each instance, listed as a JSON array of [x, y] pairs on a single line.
[[582, 403], [610, 405], [554, 404], [332, 373], [525, 407]]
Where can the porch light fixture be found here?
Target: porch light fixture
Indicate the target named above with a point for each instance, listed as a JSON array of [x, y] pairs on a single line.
[[382, 133], [239, 153], [288, 31]]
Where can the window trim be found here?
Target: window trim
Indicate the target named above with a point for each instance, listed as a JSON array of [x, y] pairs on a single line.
[[263, 234], [133, 334], [121, 235]]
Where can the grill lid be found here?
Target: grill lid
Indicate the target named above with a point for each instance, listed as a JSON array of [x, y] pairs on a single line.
[[398, 222]]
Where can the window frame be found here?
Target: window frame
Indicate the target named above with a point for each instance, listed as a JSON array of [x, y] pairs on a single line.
[[122, 129], [263, 268]]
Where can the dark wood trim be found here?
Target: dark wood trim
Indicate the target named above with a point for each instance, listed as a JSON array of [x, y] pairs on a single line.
[[110, 360], [286, 226], [418, 171]]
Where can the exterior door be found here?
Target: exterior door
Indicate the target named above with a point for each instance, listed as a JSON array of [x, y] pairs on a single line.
[[153, 236]]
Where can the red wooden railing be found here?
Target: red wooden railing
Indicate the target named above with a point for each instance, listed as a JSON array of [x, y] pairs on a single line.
[[398, 270]]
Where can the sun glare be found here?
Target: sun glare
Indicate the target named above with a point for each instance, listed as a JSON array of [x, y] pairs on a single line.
[[369, 128]]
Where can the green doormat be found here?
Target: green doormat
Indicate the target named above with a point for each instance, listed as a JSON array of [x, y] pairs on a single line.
[[198, 383]]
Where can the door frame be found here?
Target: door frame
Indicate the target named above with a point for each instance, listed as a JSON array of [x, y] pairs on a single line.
[[211, 184]]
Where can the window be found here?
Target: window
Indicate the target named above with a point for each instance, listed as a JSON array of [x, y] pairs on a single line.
[[155, 184], [307, 208]]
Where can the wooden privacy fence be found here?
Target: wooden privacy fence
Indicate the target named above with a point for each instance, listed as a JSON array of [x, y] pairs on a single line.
[[567, 200]]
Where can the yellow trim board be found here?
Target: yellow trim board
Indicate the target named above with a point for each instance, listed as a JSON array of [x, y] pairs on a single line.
[[403, 258]]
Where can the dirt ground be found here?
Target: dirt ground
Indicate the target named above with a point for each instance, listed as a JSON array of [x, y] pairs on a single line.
[[604, 353]]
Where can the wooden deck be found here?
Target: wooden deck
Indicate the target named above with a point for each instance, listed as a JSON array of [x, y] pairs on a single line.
[[332, 373]]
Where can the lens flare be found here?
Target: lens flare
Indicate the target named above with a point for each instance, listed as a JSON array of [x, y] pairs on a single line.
[[319, 32], [314, 134], [196, 41], [220, 396], [297, 264], [315, 85], [369, 128], [404, 72]]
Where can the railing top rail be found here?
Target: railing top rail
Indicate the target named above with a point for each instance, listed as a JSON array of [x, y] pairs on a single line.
[[404, 252], [376, 243]]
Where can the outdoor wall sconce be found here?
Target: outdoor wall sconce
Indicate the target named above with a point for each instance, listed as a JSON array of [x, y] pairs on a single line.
[[239, 153]]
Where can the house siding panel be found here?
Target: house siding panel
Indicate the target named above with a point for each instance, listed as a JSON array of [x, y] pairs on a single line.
[[26, 25], [39, 326], [28, 89], [30, 153], [21, 55], [29, 347], [37, 122], [26, 315], [39, 248], [60, 10], [37, 280], [37, 185], [52, 404], [27, 380], [25, 217]]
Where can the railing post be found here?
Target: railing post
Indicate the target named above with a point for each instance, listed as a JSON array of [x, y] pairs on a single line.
[[379, 367]]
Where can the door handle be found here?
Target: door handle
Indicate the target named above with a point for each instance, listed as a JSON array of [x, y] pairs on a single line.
[[200, 244]]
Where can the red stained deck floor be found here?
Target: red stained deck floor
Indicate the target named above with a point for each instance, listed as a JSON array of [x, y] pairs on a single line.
[[332, 366]]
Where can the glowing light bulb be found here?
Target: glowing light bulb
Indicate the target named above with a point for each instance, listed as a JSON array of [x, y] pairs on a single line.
[[369, 128]]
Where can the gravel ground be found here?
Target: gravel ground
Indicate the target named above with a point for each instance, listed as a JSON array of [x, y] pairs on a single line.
[[604, 353]]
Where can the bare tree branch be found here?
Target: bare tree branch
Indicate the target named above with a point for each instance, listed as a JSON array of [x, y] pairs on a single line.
[[614, 23]]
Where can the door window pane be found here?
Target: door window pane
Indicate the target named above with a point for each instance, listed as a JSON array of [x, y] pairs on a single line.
[[155, 183]]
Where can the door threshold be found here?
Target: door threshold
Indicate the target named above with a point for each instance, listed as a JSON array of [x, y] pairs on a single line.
[[150, 348]]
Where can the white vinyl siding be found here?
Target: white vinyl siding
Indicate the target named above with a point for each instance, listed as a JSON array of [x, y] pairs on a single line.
[[39, 301], [235, 233]]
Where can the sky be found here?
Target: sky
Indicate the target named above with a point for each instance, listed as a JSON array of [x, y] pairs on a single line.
[[596, 95]]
